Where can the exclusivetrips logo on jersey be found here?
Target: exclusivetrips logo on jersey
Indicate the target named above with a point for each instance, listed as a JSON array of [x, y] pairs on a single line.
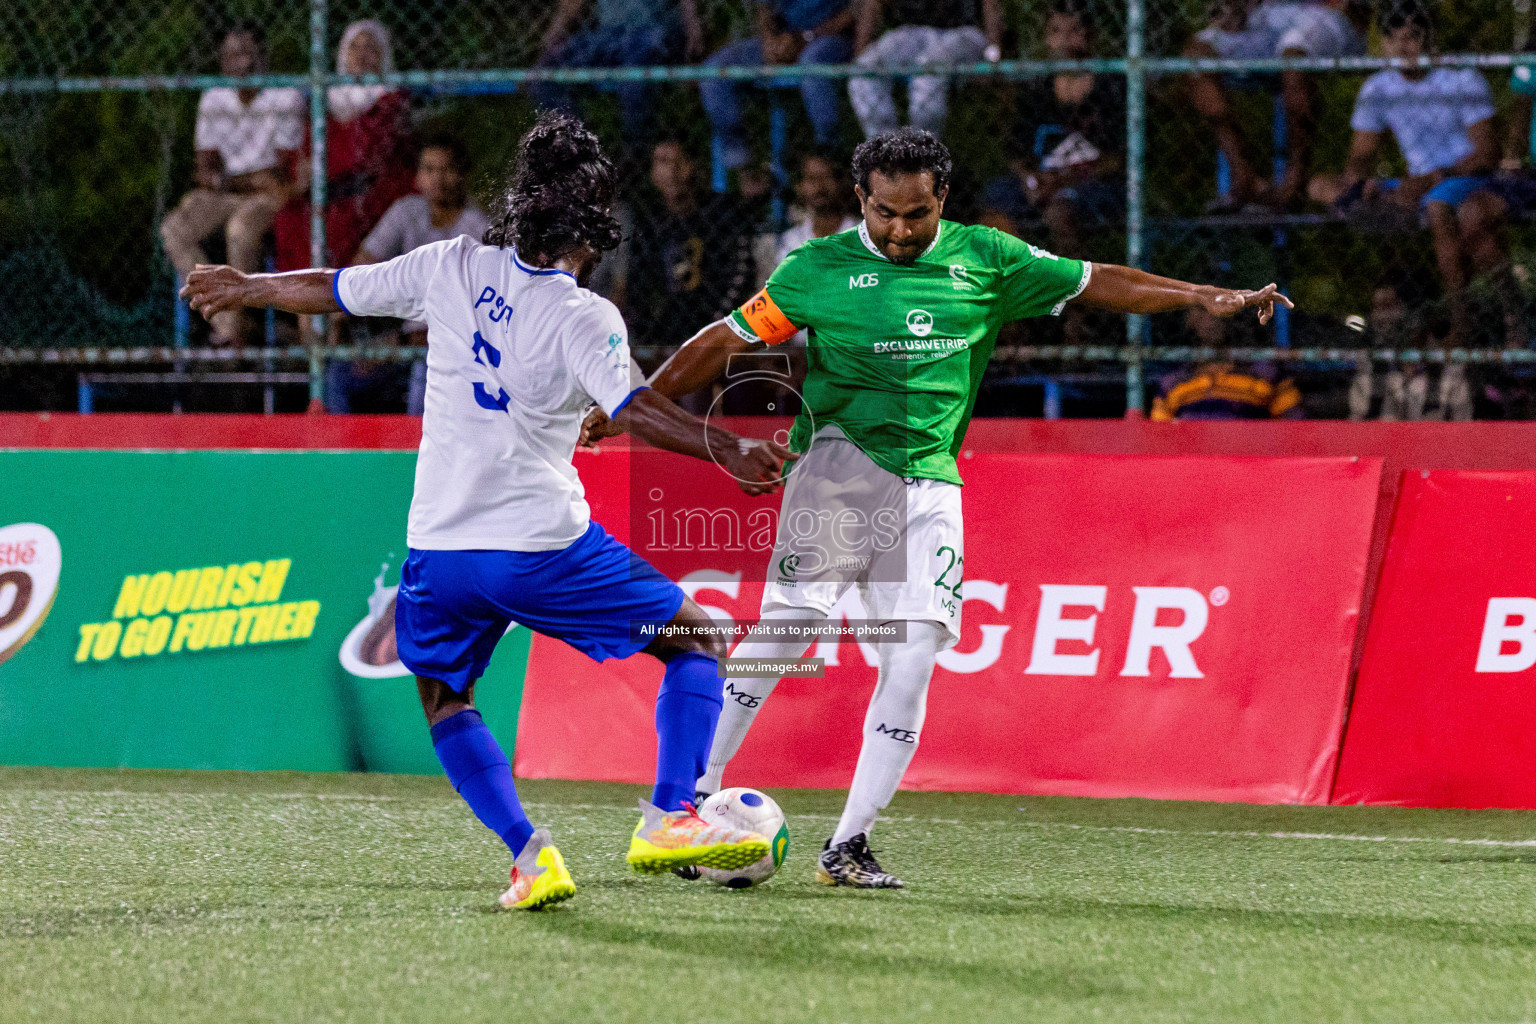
[[203, 609], [920, 322], [30, 560]]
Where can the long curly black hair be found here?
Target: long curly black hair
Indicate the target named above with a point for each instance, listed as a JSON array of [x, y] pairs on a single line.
[[559, 195]]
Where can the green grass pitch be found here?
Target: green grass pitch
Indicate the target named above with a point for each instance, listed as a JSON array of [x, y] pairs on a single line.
[[153, 896]]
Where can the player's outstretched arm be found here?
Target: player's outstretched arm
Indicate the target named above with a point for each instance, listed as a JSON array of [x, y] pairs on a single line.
[[211, 290], [1127, 290], [757, 465], [701, 360]]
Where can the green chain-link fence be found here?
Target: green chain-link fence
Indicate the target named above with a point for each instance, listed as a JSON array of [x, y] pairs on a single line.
[[99, 111]]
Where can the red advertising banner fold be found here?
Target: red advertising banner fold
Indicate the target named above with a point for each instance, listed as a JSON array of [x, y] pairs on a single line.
[[1443, 712], [1154, 626]]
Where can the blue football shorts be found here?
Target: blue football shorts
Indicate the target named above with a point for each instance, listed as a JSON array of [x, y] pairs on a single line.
[[596, 595]]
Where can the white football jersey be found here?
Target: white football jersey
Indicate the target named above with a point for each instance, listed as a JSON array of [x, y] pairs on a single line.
[[515, 355]]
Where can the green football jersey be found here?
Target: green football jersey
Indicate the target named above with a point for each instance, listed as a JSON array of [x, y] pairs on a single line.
[[896, 351]]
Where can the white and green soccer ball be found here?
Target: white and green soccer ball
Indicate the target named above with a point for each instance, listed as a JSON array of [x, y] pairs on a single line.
[[750, 809]]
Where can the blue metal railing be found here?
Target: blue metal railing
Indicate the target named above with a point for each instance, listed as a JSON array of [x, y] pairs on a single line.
[[1135, 65]]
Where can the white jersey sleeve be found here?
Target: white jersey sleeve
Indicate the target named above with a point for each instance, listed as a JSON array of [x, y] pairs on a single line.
[[597, 352], [396, 287]]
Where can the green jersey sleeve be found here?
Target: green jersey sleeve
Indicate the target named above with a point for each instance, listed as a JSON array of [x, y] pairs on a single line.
[[1035, 282], [777, 312]]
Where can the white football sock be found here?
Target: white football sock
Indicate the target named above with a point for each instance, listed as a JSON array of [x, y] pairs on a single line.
[[891, 727], [745, 697]]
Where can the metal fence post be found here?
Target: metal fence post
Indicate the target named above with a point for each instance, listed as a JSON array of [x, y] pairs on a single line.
[[317, 174], [1135, 165]]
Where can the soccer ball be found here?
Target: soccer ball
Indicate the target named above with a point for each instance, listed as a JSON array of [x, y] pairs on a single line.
[[742, 808]]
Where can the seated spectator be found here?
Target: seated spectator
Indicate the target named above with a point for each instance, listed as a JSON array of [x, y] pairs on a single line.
[[1220, 391], [690, 262], [246, 143], [1067, 151], [1412, 391], [788, 32], [367, 154], [438, 210], [626, 34], [1442, 119], [942, 31], [823, 203], [1275, 28]]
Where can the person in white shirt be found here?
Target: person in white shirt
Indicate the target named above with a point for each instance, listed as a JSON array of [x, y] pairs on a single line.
[[439, 209], [1443, 121], [1274, 28], [247, 141], [499, 529]]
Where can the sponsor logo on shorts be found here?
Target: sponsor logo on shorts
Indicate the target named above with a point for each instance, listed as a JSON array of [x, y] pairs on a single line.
[[789, 565]]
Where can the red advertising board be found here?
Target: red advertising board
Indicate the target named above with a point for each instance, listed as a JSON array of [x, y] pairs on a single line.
[[1176, 627], [1444, 711]]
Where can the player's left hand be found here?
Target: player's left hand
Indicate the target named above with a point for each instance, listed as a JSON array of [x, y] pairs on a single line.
[[211, 289], [595, 427], [1227, 301]]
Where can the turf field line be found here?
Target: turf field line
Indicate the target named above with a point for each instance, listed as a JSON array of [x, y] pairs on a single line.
[[206, 793], [1331, 836]]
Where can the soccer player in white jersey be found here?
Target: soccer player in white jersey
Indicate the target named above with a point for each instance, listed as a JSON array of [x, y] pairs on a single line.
[[499, 530]]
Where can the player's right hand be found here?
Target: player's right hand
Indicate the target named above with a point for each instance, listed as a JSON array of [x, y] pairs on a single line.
[[757, 465], [214, 289], [595, 427]]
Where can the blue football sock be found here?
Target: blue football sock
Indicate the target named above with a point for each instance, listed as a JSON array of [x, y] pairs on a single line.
[[686, 711], [480, 772]]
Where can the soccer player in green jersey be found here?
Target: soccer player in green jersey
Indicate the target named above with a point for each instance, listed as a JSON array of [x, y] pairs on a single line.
[[903, 312]]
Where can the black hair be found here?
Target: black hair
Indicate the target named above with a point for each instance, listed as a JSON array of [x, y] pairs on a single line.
[[559, 195], [458, 152], [1408, 12], [822, 153], [248, 27], [903, 151], [1082, 10]]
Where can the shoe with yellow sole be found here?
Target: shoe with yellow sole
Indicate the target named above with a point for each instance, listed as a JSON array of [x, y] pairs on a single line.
[[539, 878], [667, 840]]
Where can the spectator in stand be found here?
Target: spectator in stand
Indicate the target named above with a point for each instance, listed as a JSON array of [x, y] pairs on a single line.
[[1067, 151], [438, 210], [1274, 28], [788, 32], [943, 31], [823, 202], [246, 142], [823, 205], [1442, 119], [1407, 391], [690, 262], [1220, 391], [626, 34], [368, 152]]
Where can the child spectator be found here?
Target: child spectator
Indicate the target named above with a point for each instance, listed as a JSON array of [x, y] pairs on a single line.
[[438, 210], [788, 32], [627, 34], [368, 154], [942, 31], [246, 142], [1442, 119], [1274, 28], [1407, 392]]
